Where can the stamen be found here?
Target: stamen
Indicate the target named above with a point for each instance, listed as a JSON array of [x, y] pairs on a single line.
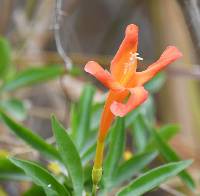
[[135, 56], [139, 58]]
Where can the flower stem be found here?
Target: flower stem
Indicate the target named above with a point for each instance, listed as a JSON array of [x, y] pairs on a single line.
[[94, 190], [99, 155], [97, 168]]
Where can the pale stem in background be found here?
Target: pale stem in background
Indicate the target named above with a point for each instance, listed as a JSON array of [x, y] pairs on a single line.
[[58, 18]]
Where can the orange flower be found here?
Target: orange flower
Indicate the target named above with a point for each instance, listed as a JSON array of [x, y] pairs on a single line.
[[123, 80]]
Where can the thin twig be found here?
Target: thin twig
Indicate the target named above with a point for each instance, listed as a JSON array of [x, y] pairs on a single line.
[[193, 73], [57, 21], [171, 190], [80, 59]]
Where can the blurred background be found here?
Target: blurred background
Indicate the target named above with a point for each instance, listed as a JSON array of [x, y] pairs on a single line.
[[68, 33]]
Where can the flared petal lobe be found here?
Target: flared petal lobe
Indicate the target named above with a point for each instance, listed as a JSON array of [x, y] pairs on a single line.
[[102, 75], [122, 62], [137, 97], [170, 54]]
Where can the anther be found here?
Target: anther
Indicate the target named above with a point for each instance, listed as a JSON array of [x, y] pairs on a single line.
[[139, 58], [135, 56]]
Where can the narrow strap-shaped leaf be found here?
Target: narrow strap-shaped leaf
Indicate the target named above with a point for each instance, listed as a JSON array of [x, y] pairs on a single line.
[[41, 176], [131, 167], [9, 171], [153, 178], [32, 76], [74, 114], [155, 84], [30, 138], [115, 151], [89, 141], [131, 116], [87, 176], [169, 130], [170, 155], [84, 113], [50, 192], [96, 115], [35, 190], [139, 132], [14, 107], [166, 133], [88, 154], [5, 54], [69, 155], [147, 111]]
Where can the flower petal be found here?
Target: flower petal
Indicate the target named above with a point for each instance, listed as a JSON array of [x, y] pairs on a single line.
[[137, 97], [102, 75], [170, 54], [122, 62]]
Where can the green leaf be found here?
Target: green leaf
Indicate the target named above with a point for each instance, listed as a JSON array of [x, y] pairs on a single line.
[[8, 171], [30, 138], [76, 71], [35, 190], [90, 140], [139, 132], [5, 54], [153, 178], [88, 154], [32, 76], [131, 116], [49, 192], [147, 110], [69, 155], [96, 116], [74, 115], [87, 176], [40, 176], [170, 155], [169, 130], [166, 133], [84, 112], [132, 167], [115, 150], [155, 84], [14, 107]]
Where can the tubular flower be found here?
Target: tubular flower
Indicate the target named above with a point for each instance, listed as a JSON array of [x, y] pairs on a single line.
[[123, 81]]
